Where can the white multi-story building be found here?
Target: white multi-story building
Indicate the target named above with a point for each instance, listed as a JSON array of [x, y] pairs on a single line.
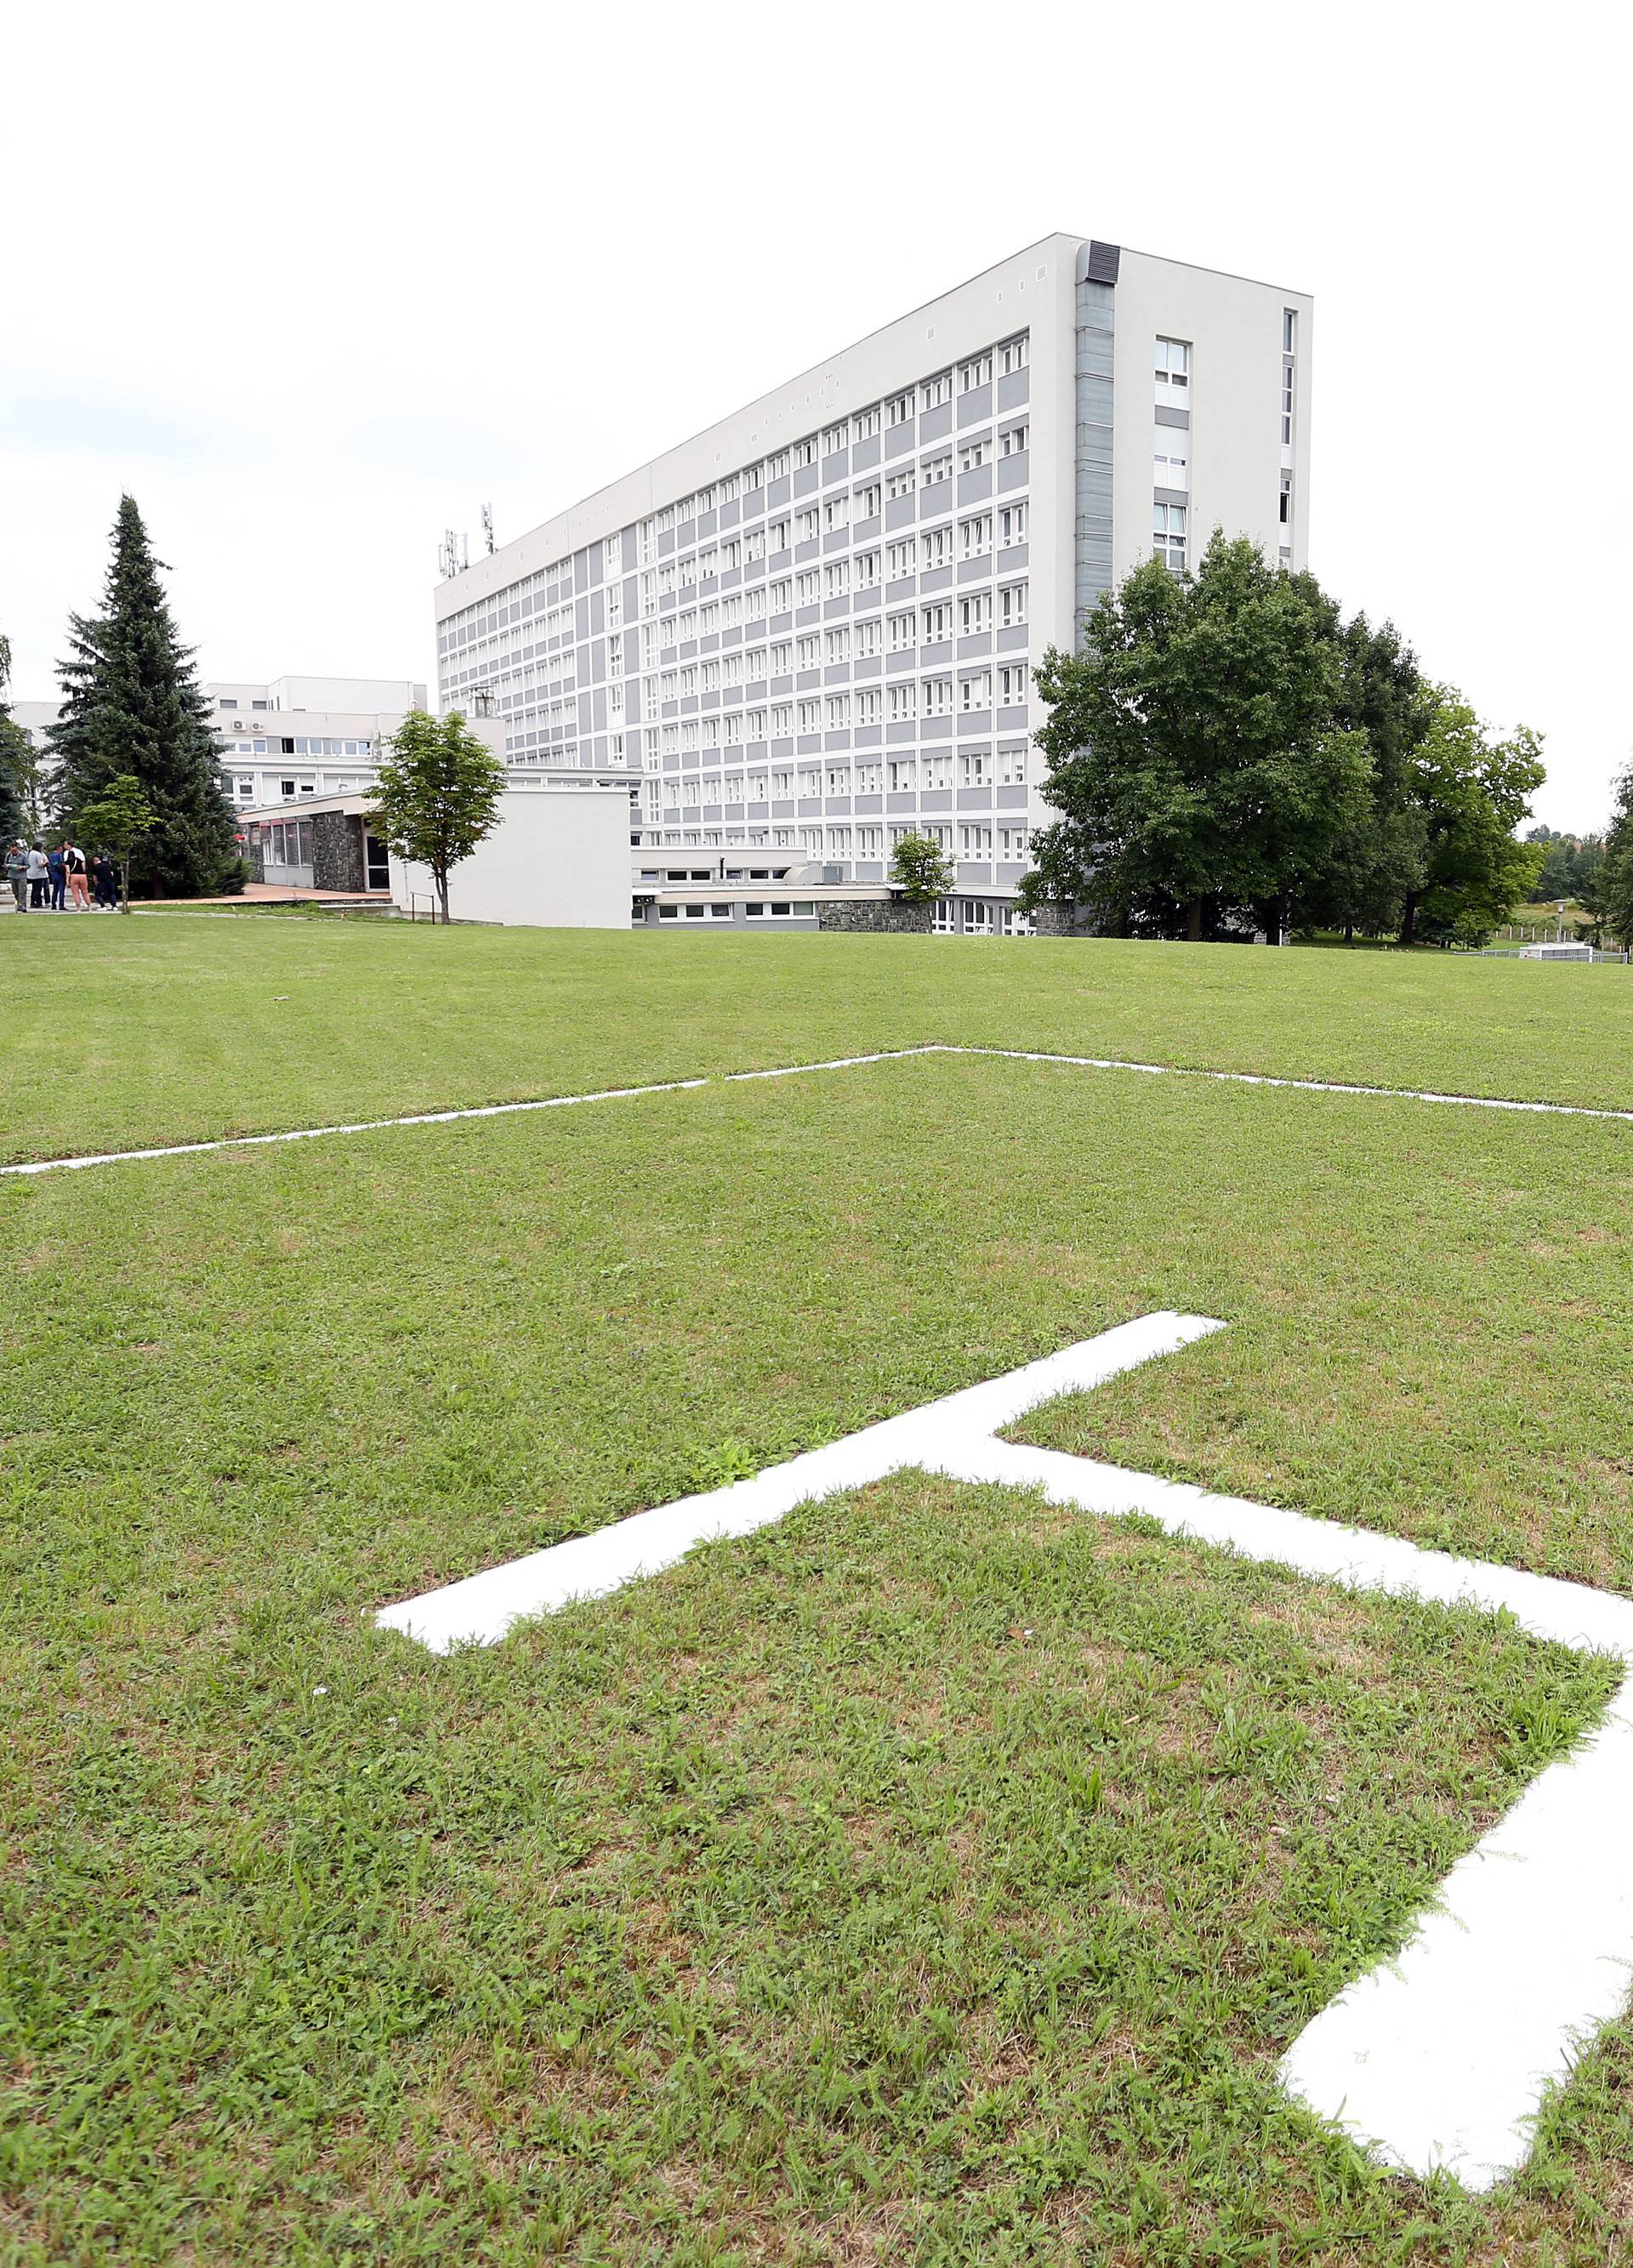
[[306, 736], [812, 627]]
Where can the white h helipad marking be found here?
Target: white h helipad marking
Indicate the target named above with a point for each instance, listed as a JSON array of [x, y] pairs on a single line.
[[1437, 2060]]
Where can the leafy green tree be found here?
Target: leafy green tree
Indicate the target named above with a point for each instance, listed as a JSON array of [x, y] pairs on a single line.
[[132, 708], [1374, 862], [1195, 751], [1570, 863], [118, 820], [921, 870], [1610, 901], [1474, 791], [439, 795]]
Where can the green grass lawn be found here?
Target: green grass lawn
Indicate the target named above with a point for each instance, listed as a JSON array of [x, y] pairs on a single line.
[[169, 1027], [936, 1878]]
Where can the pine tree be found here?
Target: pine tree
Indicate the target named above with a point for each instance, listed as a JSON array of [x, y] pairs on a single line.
[[132, 707], [13, 752]]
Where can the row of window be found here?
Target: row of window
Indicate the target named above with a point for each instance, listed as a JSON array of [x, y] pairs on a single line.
[[769, 910], [868, 776], [859, 707]]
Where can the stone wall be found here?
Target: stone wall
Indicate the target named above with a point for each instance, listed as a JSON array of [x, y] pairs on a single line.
[[872, 914], [338, 851], [254, 855], [1061, 921]]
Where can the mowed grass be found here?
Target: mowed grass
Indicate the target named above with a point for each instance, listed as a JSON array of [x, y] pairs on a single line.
[[173, 1028], [934, 1878]]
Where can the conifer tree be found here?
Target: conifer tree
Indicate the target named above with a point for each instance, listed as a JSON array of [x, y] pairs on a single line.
[[14, 754], [132, 708]]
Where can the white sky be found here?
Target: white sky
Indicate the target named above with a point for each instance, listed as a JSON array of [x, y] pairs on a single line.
[[315, 283]]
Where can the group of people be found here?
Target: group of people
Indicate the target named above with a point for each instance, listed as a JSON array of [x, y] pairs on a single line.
[[61, 879]]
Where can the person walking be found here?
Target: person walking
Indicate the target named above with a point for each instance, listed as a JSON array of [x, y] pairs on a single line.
[[58, 869], [105, 883], [78, 889], [17, 875], [38, 876]]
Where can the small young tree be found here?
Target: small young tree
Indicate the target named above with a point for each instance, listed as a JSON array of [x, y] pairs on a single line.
[[117, 819], [921, 870], [438, 796]]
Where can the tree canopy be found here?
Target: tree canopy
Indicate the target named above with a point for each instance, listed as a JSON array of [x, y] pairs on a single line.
[[1227, 752], [132, 708], [921, 870], [438, 795]]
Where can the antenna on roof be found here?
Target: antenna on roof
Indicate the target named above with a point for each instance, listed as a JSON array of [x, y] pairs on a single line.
[[487, 526], [451, 556]]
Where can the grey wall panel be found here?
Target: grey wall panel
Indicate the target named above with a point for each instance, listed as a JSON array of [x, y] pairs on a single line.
[[1013, 390], [972, 487], [936, 799], [975, 405], [1012, 472], [899, 440], [836, 467], [1011, 799], [778, 492], [805, 479], [900, 512], [936, 424], [1013, 640], [865, 453]]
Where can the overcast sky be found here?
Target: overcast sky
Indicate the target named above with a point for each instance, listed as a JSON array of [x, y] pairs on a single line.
[[314, 284]]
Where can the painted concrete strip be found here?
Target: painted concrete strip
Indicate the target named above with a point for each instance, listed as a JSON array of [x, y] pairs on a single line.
[[1437, 2060], [794, 1070]]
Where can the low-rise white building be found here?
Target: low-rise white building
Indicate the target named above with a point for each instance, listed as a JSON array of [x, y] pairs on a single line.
[[298, 737]]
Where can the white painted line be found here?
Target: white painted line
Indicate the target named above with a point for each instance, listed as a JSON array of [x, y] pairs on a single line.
[[1437, 2060], [796, 1070], [483, 1608]]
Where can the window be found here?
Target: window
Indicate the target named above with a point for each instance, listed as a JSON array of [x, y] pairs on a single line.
[[838, 721], [904, 633], [806, 588], [1173, 367], [1286, 511], [899, 410], [975, 768], [867, 570], [865, 424], [972, 374], [1168, 534], [904, 702], [868, 501], [938, 771], [937, 696], [1011, 688], [1170, 468], [807, 525], [781, 597], [865, 638], [809, 718], [836, 512], [1012, 356], [901, 770], [1287, 402], [777, 534], [937, 468], [1012, 604], [936, 548], [975, 536], [975, 691], [781, 658], [935, 391], [1012, 440], [808, 651], [870, 842], [1012, 525], [1012, 843], [900, 484], [804, 453], [974, 454], [869, 702], [837, 779], [834, 439], [838, 643], [937, 624], [901, 558], [975, 842], [1012, 766], [782, 719], [1289, 329], [869, 780], [975, 614]]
